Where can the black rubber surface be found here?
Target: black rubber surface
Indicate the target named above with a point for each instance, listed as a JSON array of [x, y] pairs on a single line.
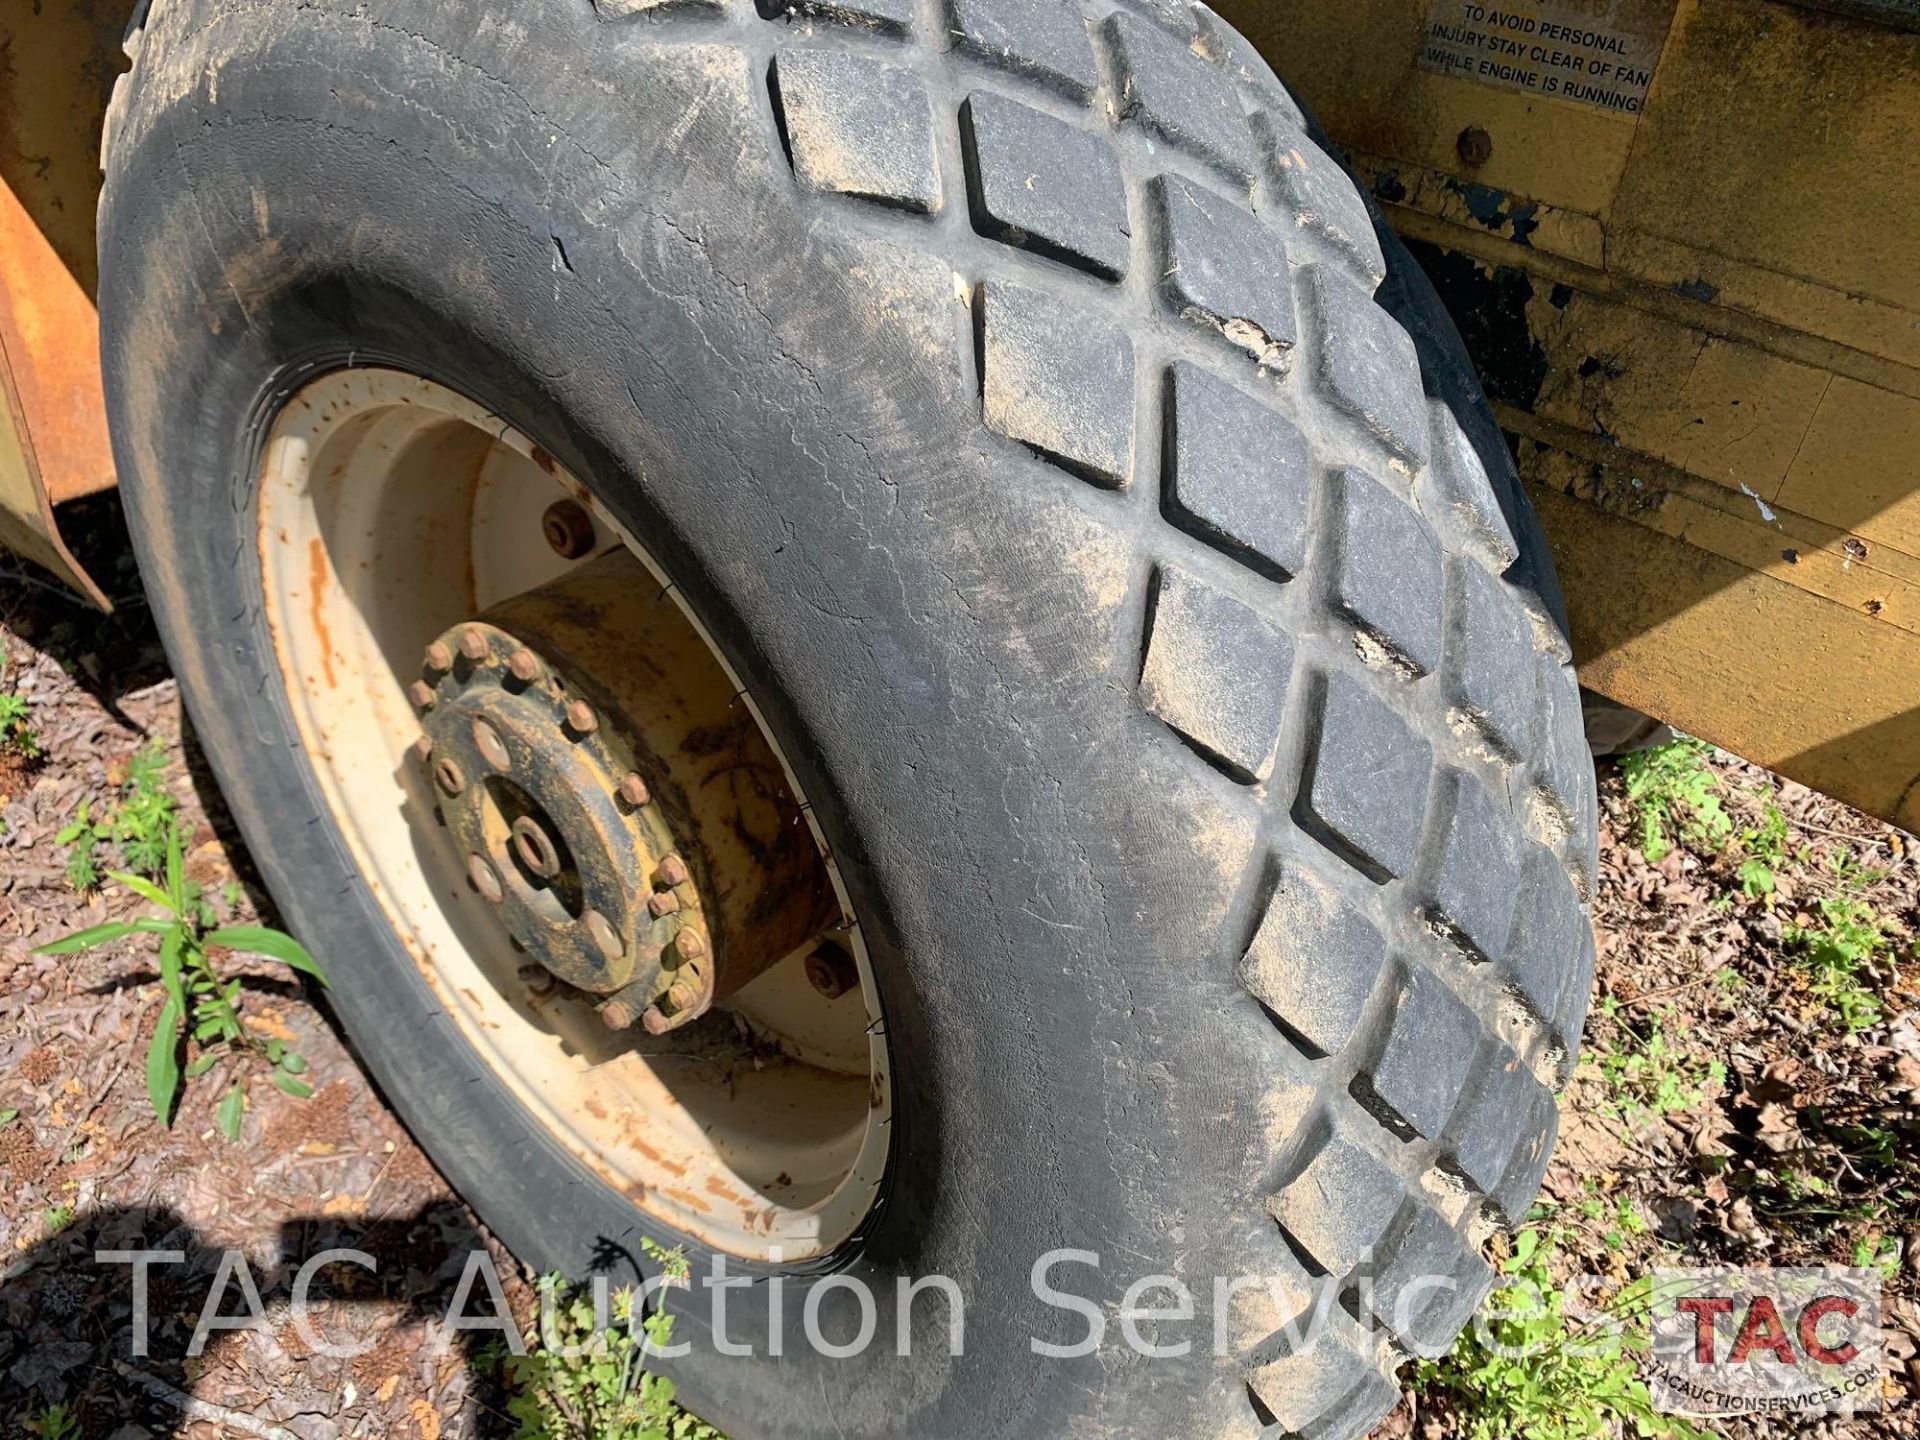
[[1005, 383]]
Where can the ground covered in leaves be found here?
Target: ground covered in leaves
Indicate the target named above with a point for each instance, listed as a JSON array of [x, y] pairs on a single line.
[[1747, 1094]]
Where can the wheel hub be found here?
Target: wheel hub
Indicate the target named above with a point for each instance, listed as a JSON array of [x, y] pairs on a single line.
[[535, 790], [625, 820]]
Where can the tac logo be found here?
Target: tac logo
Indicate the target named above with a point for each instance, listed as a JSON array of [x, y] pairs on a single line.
[[1765, 1341]]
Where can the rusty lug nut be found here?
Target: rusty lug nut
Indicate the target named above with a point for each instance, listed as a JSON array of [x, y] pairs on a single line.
[[449, 777], [690, 943], [492, 748], [439, 657], [485, 878], [618, 1014], [423, 749], [656, 1021], [569, 529], [683, 996], [1475, 146], [474, 646], [536, 978], [421, 695], [524, 666], [673, 871], [581, 719], [634, 791], [605, 938], [831, 971], [663, 903]]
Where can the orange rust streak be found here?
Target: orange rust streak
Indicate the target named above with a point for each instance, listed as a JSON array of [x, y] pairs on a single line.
[[317, 586]]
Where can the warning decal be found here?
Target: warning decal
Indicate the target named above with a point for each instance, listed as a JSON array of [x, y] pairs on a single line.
[[1595, 52]]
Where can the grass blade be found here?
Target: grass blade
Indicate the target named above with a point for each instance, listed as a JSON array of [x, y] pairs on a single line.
[[227, 1117], [163, 1063], [89, 938], [145, 888], [274, 944]]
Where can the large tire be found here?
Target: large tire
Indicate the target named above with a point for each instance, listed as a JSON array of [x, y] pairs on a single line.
[[1184, 702]]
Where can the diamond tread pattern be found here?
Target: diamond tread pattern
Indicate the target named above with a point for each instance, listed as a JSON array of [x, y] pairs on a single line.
[[1178, 298]]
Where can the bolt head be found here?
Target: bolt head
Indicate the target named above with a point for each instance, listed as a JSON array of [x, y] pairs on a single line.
[[831, 972], [617, 1015], [524, 666], [690, 943], [684, 995], [569, 529], [473, 645], [665, 902], [423, 748], [449, 777], [485, 878], [673, 871], [421, 695], [536, 978], [581, 719], [439, 657], [1475, 146], [605, 938], [634, 791], [655, 1021]]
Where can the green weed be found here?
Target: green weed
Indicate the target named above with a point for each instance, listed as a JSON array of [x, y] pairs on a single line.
[[17, 737], [56, 1422], [1846, 939], [1879, 1253], [56, 1218], [195, 994], [1765, 847], [1654, 1074], [138, 823], [1529, 1368], [578, 1382], [1674, 793]]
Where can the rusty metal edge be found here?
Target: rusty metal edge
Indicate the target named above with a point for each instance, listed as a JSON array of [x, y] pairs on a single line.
[[36, 533]]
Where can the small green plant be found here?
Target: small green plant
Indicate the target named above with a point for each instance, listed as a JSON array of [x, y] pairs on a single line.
[[138, 822], [1654, 1074], [1530, 1368], [1880, 1253], [1845, 940], [579, 1382], [17, 737], [56, 1422], [82, 839], [56, 1218], [1765, 849], [194, 993], [1674, 792]]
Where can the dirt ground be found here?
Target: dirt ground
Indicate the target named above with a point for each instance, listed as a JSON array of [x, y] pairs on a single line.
[[1757, 1131]]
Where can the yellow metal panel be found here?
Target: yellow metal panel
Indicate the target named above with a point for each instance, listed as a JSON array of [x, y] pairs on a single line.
[[1784, 138], [1757, 663], [1857, 467], [1354, 64], [1728, 412]]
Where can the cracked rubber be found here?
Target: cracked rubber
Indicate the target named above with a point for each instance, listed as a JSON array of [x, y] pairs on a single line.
[[1102, 509]]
